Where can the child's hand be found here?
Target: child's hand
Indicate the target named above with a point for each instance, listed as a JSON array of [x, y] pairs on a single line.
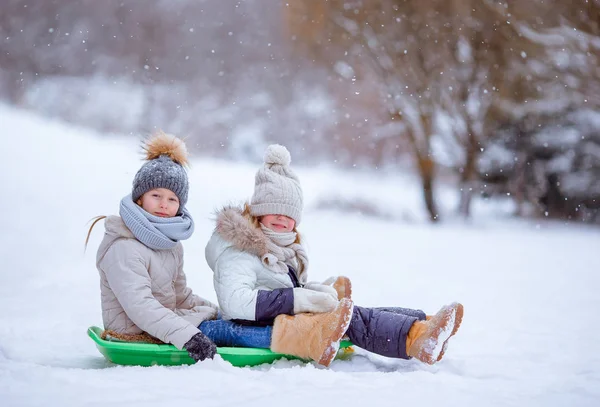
[[200, 347], [306, 300]]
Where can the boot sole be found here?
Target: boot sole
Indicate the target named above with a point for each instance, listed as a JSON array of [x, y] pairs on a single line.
[[458, 315], [346, 309], [430, 346]]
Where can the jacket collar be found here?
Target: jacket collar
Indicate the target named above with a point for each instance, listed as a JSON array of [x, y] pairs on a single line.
[[238, 230], [115, 226]]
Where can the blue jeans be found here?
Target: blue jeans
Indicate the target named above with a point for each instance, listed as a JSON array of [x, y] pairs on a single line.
[[227, 333]]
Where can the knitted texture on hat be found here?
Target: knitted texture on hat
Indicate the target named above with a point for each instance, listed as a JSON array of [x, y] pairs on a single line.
[[277, 189], [166, 155]]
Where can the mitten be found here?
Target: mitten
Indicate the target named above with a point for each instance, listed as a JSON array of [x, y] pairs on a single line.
[[199, 347], [327, 289], [306, 300]]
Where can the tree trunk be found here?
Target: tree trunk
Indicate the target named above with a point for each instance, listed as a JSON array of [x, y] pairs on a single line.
[[466, 196], [518, 190], [427, 170], [467, 178], [425, 165]]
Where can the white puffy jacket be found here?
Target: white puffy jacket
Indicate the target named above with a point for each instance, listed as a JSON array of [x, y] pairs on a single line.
[[246, 289]]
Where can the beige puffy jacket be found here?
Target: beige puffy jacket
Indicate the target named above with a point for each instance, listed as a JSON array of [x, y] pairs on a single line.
[[145, 290]]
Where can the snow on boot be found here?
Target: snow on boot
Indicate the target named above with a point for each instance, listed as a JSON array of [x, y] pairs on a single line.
[[342, 286], [426, 340], [458, 320], [312, 336]]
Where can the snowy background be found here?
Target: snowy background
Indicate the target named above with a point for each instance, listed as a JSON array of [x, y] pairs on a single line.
[[493, 98], [529, 336], [494, 103]]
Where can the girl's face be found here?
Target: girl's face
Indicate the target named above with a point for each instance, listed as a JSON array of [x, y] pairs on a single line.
[[278, 223], [160, 202]]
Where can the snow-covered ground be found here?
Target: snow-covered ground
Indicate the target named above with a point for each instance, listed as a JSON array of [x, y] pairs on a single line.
[[529, 337]]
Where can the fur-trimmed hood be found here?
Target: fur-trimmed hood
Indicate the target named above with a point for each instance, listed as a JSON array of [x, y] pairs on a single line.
[[235, 230]]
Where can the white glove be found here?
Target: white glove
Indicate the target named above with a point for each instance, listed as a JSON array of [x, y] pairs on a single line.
[[330, 280], [327, 289], [313, 301]]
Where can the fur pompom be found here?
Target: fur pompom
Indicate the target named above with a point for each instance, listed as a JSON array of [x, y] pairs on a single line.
[[277, 154], [162, 143]]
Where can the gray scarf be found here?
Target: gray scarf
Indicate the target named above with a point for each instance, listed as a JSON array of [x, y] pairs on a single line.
[[283, 252], [154, 231]]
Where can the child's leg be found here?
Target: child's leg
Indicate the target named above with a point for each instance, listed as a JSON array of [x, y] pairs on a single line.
[[227, 333], [312, 336], [417, 313], [380, 331], [402, 336]]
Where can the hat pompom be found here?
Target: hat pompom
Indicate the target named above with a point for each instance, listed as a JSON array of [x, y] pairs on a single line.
[[162, 143], [277, 154]]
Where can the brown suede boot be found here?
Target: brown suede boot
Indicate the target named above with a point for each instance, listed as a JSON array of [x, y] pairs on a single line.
[[312, 336], [427, 340], [343, 286]]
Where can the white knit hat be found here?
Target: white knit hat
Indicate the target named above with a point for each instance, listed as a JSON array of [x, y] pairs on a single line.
[[277, 189]]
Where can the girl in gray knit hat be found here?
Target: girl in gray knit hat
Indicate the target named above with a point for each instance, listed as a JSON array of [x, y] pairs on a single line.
[[140, 260], [260, 275]]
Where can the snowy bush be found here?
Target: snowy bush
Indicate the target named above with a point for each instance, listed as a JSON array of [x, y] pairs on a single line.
[[551, 163]]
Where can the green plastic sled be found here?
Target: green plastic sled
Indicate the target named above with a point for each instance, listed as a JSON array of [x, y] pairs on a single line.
[[149, 354]]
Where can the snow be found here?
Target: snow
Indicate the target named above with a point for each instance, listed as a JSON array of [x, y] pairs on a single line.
[[344, 69], [528, 338], [580, 184], [496, 157], [123, 102], [557, 138], [589, 117]]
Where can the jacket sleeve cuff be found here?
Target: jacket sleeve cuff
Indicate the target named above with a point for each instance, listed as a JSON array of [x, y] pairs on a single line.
[[269, 304]]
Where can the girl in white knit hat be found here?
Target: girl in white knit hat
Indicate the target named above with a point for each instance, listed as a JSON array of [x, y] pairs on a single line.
[[260, 275]]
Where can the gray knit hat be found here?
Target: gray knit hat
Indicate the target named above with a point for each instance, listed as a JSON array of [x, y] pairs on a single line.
[[277, 189], [166, 157]]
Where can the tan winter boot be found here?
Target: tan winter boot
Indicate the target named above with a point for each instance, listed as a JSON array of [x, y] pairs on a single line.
[[342, 286], [427, 340], [312, 336]]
